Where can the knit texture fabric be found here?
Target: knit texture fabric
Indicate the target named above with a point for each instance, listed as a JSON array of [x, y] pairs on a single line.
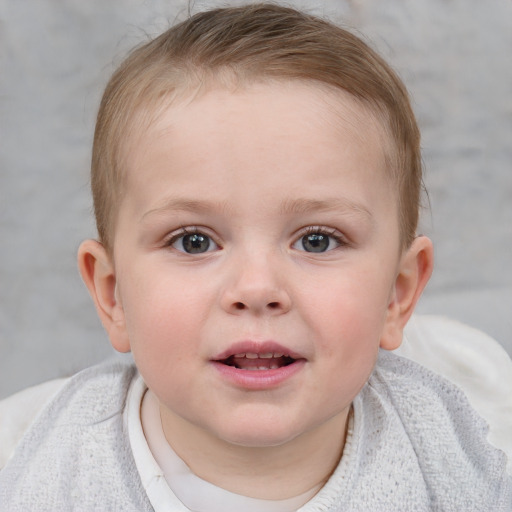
[[416, 446], [76, 455]]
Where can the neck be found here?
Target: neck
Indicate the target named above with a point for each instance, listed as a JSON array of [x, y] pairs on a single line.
[[269, 472]]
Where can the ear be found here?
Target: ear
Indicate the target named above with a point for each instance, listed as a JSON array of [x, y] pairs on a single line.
[[414, 272], [98, 273]]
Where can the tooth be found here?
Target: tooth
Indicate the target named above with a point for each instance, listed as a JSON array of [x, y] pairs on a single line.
[[277, 354], [274, 366], [240, 355], [251, 355], [252, 368], [267, 355]]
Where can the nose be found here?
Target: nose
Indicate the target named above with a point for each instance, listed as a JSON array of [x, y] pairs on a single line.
[[256, 286]]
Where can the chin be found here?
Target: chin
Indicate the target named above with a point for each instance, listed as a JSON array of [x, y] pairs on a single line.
[[259, 434], [258, 441]]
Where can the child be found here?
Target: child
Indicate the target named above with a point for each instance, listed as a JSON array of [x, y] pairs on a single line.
[[256, 178]]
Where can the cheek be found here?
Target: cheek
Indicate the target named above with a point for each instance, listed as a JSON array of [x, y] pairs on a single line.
[[350, 305], [163, 317], [164, 332], [347, 325]]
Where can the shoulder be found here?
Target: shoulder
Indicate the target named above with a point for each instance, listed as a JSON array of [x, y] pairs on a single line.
[[416, 393], [471, 360], [92, 393], [81, 434], [466, 356], [19, 411], [447, 436]]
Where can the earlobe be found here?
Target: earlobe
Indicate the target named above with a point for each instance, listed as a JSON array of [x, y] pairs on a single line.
[[98, 273], [413, 274]]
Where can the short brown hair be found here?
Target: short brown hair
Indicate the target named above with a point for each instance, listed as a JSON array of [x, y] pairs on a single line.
[[256, 42]]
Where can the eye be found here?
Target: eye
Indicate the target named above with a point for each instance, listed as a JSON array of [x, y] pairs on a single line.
[[317, 240], [193, 243]]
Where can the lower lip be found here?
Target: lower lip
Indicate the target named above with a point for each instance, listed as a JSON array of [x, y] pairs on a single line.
[[259, 379]]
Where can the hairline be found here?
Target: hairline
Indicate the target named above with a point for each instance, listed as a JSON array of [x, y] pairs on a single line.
[[219, 44]]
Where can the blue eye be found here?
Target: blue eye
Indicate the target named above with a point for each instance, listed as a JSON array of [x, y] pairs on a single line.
[[317, 242], [193, 243]]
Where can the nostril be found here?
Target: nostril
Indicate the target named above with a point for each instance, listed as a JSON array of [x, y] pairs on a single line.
[[273, 305], [239, 305]]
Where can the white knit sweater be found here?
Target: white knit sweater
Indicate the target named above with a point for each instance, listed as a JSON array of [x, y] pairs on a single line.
[[416, 446]]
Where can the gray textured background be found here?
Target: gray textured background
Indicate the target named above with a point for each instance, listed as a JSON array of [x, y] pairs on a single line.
[[55, 58]]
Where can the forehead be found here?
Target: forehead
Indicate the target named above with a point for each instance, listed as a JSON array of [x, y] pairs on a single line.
[[261, 136]]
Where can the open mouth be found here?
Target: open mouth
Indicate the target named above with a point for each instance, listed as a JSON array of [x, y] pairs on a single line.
[[258, 361], [259, 366]]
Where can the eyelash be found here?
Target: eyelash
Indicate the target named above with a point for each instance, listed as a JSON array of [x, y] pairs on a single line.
[[185, 231], [332, 233], [339, 239]]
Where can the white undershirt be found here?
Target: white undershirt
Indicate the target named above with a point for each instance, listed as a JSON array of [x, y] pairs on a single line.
[[169, 482]]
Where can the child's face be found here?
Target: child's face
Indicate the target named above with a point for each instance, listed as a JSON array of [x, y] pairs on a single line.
[[256, 260]]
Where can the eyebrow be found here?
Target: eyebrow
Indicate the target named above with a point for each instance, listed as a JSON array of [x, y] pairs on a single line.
[[299, 206], [305, 205], [186, 205]]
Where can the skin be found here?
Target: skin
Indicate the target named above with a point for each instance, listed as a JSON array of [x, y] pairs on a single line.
[[254, 171]]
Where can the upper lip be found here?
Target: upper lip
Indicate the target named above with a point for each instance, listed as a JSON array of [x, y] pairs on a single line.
[[261, 349]]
